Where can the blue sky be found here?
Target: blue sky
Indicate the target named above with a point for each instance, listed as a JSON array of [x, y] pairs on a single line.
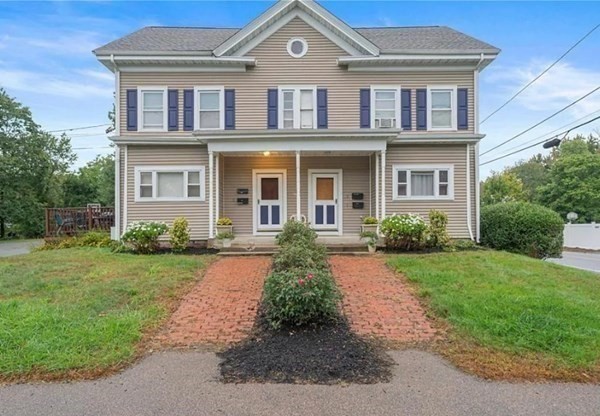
[[47, 64]]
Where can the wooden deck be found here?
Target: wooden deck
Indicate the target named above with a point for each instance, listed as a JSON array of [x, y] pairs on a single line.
[[72, 221]]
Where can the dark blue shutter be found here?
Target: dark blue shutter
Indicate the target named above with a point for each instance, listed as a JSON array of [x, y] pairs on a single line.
[[365, 108], [173, 110], [272, 108], [463, 109], [422, 109], [132, 110], [321, 108], [188, 110], [405, 109], [229, 109]]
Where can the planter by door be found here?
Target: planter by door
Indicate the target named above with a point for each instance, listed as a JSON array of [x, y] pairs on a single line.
[[325, 197], [269, 200], [369, 228]]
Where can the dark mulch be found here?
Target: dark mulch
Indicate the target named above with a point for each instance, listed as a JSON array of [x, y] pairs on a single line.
[[326, 354]]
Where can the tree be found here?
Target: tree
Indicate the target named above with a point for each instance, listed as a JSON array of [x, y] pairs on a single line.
[[533, 173], [31, 162], [502, 187], [93, 183]]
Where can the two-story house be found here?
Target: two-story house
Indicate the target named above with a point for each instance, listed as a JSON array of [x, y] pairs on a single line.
[[296, 115]]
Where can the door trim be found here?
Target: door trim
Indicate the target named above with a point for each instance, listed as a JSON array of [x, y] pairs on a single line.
[[284, 197], [340, 204]]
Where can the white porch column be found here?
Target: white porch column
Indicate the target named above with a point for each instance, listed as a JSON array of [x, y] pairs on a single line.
[[298, 209], [211, 218], [217, 186], [377, 186], [382, 184]]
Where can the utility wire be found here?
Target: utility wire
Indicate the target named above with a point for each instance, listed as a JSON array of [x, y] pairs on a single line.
[[541, 74], [540, 142], [90, 148], [79, 128], [541, 122]]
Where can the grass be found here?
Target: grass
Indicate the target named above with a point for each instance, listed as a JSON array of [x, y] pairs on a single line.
[[513, 305], [84, 310]]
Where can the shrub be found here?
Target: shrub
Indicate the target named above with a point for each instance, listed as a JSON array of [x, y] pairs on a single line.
[[370, 221], [461, 245], [90, 239], [437, 235], [224, 221], [180, 235], [521, 227], [143, 235], [296, 231], [405, 231], [300, 298], [300, 255]]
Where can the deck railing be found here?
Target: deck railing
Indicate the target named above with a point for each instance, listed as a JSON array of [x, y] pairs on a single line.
[[72, 221]]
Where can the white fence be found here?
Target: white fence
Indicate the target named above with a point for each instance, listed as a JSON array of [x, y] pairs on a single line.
[[585, 236]]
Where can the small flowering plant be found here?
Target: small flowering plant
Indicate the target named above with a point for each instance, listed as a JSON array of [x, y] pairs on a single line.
[[143, 235], [300, 297], [404, 231]]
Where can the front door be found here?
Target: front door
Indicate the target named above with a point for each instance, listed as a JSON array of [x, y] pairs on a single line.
[[325, 205], [269, 201]]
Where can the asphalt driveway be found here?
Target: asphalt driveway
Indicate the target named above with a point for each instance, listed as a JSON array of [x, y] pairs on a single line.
[[586, 261], [17, 247], [185, 383]]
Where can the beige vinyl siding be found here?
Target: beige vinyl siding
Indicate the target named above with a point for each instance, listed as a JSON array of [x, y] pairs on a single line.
[[275, 68], [196, 212], [238, 174], [434, 154]]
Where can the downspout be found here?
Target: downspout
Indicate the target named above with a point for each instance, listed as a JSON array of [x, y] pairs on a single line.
[[476, 124], [469, 225], [117, 152]]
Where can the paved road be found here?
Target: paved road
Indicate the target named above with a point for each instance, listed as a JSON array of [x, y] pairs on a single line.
[[185, 383], [16, 247], [587, 261]]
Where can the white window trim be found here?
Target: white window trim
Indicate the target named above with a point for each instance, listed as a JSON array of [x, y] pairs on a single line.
[[436, 178], [221, 90], [171, 168], [289, 47], [296, 89], [453, 105], [398, 90], [140, 112]]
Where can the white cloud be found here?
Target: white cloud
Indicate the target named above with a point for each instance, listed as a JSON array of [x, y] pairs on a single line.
[[560, 86], [105, 76]]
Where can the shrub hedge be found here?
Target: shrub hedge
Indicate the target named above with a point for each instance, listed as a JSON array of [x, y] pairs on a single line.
[[521, 227]]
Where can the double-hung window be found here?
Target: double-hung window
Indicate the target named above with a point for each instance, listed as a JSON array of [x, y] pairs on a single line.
[[298, 107], [385, 104], [423, 182], [442, 108], [209, 105], [153, 106], [169, 183]]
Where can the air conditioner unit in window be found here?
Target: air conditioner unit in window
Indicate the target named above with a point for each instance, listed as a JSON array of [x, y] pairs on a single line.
[[385, 123]]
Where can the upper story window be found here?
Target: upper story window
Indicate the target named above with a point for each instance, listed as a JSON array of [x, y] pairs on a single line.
[[209, 105], [297, 47], [385, 104], [298, 107], [169, 183], [441, 106], [423, 182], [153, 105]]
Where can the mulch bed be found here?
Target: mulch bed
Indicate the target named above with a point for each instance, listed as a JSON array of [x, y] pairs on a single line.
[[326, 354]]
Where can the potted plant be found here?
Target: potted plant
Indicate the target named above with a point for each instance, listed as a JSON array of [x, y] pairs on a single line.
[[224, 225], [371, 239], [225, 238], [369, 224]]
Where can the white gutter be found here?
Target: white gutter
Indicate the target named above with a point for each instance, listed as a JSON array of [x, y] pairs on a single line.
[[469, 217], [476, 123], [195, 58], [343, 60], [118, 192]]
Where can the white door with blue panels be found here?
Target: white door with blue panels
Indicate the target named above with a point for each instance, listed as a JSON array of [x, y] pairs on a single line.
[[325, 211], [269, 194]]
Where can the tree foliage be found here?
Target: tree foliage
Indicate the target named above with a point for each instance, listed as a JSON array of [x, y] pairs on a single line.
[[31, 162], [502, 187], [93, 183]]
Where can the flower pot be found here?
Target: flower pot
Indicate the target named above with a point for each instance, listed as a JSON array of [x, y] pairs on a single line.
[[372, 249], [226, 242], [369, 228], [222, 229]]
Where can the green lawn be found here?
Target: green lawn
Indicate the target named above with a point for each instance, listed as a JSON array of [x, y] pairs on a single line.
[[84, 309], [512, 303]]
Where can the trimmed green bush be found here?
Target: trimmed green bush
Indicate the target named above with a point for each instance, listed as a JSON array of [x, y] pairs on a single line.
[[437, 234], [143, 235], [404, 231], [521, 227], [294, 231], [300, 298], [180, 235], [300, 255]]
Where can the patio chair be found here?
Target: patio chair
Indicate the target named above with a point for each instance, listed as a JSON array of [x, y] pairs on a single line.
[[61, 222]]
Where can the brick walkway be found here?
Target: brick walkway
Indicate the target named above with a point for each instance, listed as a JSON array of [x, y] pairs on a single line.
[[221, 308], [377, 302]]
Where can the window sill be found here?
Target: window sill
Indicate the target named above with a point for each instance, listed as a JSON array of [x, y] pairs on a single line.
[[422, 198], [150, 130], [144, 200]]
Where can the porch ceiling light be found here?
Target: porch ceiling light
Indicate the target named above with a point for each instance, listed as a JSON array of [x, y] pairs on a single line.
[[266, 153]]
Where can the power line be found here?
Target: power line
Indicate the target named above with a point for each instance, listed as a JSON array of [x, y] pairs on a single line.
[[79, 128], [541, 122], [541, 74], [90, 148], [540, 142]]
